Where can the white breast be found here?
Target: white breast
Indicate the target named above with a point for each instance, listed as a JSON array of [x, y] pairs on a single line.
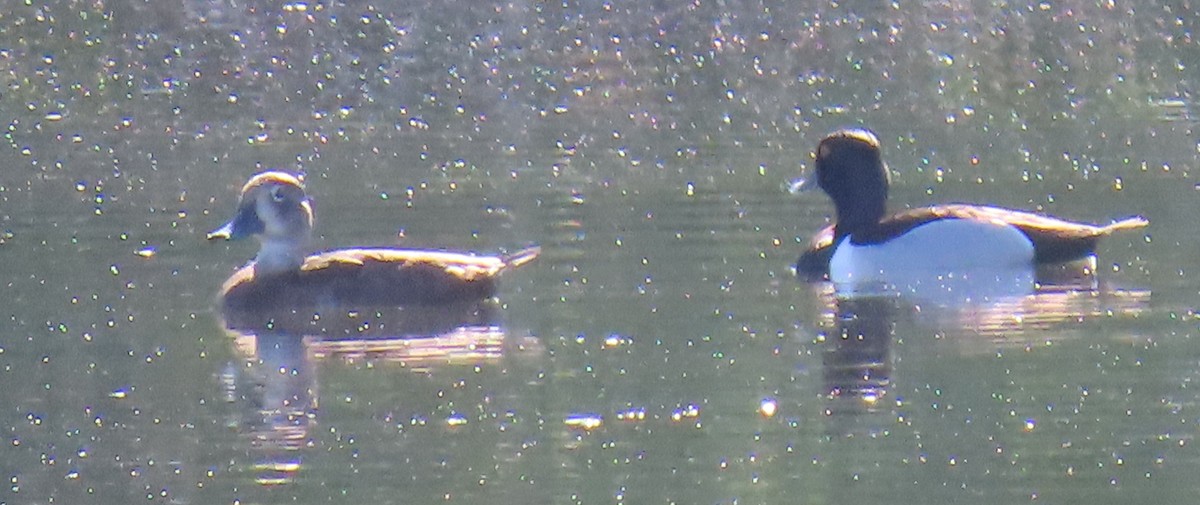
[[955, 258]]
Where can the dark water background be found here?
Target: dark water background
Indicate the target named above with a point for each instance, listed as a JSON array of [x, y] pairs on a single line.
[[647, 147]]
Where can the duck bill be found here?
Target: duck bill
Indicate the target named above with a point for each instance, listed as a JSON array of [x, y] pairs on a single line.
[[246, 223], [222, 233]]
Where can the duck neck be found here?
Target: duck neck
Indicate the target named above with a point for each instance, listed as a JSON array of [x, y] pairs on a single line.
[[279, 256], [861, 216]]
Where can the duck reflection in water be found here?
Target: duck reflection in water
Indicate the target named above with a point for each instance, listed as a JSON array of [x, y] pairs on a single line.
[[276, 390], [865, 338], [277, 399], [857, 359]]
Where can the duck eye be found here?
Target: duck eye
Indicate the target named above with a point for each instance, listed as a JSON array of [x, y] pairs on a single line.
[[277, 194]]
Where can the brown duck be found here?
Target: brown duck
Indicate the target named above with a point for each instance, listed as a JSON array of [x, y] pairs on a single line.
[[274, 208]]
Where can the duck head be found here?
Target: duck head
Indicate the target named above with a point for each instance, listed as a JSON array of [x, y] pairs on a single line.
[[273, 208], [850, 170]]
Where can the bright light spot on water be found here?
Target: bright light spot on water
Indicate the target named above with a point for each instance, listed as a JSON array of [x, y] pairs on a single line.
[[632, 414], [585, 422], [688, 412], [767, 407]]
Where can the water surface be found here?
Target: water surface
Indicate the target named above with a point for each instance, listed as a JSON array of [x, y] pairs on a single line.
[[661, 350]]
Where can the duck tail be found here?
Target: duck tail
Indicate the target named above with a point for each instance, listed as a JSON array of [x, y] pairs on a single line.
[[1129, 223], [521, 257]]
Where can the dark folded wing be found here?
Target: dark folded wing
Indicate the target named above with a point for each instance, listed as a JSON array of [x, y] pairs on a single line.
[[1054, 240]]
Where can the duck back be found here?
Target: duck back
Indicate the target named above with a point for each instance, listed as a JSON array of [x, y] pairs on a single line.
[[369, 277]]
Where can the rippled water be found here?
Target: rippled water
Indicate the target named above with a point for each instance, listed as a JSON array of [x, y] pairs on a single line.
[[661, 350]]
